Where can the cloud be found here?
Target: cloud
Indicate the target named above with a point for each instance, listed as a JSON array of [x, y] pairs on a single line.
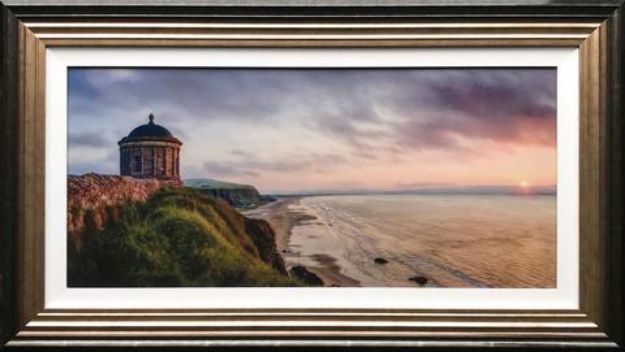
[[241, 153], [87, 139], [252, 167], [80, 163], [512, 106], [258, 118], [342, 101], [437, 109], [200, 94], [226, 169]]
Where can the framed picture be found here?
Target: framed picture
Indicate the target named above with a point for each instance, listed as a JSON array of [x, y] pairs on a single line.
[[312, 175]]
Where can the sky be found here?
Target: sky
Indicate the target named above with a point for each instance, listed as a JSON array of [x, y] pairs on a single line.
[[307, 130]]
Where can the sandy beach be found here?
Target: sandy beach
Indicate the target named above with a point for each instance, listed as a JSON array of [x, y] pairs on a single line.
[[283, 215], [278, 216]]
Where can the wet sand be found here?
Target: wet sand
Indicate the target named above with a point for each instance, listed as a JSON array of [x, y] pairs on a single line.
[[283, 215], [330, 272]]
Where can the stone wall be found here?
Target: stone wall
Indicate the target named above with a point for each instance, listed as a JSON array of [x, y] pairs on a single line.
[[93, 199]]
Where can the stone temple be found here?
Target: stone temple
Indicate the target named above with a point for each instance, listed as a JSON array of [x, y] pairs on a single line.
[[150, 151]]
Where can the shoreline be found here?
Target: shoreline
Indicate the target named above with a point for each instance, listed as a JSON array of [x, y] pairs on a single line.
[[277, 215], [283, 220]]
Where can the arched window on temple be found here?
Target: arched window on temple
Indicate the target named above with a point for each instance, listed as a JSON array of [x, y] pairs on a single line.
[[138, 163]]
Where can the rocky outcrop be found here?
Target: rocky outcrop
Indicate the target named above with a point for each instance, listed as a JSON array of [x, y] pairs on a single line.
[[94, 199], [301, 273], [419, 280], [265, 240], [380, 260]]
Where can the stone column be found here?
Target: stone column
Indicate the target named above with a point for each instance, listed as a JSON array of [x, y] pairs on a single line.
[[178, 162], [154, 173]]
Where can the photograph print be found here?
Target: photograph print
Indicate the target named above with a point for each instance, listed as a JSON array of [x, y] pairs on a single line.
[[311, 177]]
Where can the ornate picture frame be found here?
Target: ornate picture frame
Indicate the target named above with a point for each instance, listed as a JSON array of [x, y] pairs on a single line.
[[29, 28]]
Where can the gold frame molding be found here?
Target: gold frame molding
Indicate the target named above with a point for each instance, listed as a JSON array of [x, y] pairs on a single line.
[[30, 30]]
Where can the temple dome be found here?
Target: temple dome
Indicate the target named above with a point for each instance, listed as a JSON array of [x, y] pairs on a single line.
[[150, 131], [150, 151]]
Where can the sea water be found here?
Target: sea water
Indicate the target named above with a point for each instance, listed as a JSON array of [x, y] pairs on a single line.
[[499, 241]]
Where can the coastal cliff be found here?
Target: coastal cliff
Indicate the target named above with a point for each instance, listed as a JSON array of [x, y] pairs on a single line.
[[150, 233], [94, 199], [237, 195]]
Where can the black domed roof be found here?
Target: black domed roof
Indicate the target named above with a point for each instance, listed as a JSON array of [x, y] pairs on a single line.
[[150, 131]]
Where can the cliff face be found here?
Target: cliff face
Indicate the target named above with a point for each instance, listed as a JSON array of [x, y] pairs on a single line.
[[265, 240], [241, 198], [237, 195], [94, 199]]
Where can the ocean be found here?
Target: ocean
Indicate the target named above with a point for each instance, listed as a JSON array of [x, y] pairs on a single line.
[[495, 241]]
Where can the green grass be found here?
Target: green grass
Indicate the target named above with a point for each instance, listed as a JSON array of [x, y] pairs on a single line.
[[179, 238]]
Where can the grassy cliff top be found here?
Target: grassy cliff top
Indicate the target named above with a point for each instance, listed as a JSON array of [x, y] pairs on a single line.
[[214, 184], [178, 238]]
